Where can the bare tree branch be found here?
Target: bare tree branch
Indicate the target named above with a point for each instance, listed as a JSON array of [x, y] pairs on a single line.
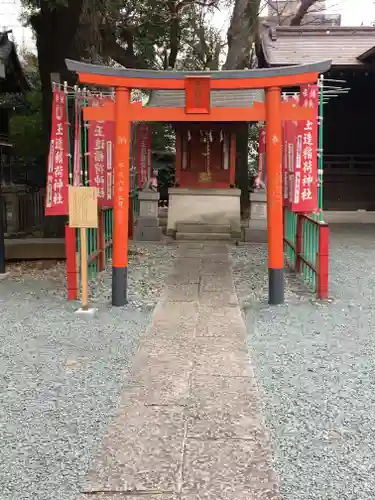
[[301, 12]]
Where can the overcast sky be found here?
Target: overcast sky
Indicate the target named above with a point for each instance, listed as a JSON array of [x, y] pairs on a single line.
[[354, 13]]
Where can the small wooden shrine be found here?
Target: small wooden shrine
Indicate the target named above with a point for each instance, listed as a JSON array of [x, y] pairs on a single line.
[[206, 156], [205, 191]]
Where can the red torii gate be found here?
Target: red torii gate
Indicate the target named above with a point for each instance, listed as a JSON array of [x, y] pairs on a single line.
[[197, 86]]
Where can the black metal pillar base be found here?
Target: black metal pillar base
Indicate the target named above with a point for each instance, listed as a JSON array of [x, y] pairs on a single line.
[[275, 286], [119, 286]]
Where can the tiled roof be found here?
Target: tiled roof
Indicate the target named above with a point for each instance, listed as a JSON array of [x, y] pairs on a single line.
[[219, 98], [317, 19], [286, 45]]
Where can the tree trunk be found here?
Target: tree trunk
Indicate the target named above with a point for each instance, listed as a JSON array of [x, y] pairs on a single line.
[[242, 175], [301, 12], [244, 23], [55, 33]]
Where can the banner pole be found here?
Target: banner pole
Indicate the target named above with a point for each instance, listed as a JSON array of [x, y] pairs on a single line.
[[320, 146], [84, 273]]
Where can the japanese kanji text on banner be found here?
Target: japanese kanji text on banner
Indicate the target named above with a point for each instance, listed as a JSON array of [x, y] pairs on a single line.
[[305, 188], [262, 170], [143, 154], [57, 174], [101, 153]]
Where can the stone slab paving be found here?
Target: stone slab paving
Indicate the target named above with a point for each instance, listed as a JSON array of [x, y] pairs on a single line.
[[190, 423]]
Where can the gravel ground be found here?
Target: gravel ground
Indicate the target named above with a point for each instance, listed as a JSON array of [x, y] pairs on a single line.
[[61, 375], [315, 366]]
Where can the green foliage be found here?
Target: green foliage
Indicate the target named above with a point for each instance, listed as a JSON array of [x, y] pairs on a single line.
[[163, 137], [254, 131], [26, 130]]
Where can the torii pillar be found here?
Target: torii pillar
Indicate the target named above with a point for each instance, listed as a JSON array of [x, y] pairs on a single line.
[[121, 175], [274, 197], [197, 87]]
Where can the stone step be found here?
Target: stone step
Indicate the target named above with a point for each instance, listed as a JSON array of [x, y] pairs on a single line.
[[203, 236], [189, 227]]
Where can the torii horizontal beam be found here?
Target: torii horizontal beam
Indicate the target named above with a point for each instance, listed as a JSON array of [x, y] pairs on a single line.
[[288, 76], [257, 112]]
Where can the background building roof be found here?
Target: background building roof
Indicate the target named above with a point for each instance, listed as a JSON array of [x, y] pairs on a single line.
[[287, 45], [12, 77], [219, 98], [317, 19]]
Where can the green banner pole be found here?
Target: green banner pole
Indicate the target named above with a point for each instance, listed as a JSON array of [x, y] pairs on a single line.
[[321, 145]]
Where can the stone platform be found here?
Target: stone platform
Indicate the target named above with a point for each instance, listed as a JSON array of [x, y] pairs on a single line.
[[190, 422], [35, 249]]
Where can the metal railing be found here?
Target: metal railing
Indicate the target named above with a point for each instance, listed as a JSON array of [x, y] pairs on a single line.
[[99, 251], [306, 247]]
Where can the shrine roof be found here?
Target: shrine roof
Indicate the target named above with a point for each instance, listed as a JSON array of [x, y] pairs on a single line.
[[92, 69], [12, 76], [219, 98], [291, 45]]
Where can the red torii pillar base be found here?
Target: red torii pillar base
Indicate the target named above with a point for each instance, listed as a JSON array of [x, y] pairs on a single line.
[[274, 198], [121, 199]]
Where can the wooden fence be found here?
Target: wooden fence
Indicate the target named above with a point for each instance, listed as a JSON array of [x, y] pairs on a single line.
[[23, 210]]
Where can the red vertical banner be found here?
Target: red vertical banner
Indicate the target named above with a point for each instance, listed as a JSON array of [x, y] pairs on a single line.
[[143, 153], [101, 152], [57, 174], [262, 171], [284, 164], [290, 157], [305, 192]]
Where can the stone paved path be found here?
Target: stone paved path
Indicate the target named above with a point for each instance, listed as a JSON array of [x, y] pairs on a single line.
[[190, 423]]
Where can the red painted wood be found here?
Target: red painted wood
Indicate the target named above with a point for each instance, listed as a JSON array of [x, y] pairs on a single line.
[[71, 262], [323, 262], [197, 165], [299, 243], [101, 241], [178, 156], [232, 158], [197, 94]]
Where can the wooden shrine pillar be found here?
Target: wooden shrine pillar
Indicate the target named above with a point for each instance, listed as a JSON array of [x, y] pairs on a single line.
[[121, 197], [232, 159], [179, 144], [274, 197]]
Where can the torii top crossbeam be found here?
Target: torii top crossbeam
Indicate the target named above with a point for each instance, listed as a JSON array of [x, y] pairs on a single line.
[[238, 79], [198, 86]]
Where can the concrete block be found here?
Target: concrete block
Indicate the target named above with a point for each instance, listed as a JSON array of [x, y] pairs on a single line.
[[252, 235], [204, 206], [186, 227], [147, 233], [147, 222], [258, 206], [148, 204], [35, 249], [148, 196], [88, 313], [203, 236]]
